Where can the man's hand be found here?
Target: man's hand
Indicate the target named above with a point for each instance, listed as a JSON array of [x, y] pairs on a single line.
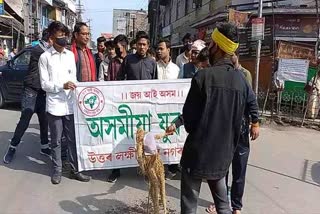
[[69, 85], [254, 132], [171, 129]]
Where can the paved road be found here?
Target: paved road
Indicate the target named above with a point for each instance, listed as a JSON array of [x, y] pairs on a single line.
[[283, 177]]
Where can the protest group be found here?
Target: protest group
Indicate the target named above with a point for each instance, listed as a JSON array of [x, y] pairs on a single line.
[[219, 112]]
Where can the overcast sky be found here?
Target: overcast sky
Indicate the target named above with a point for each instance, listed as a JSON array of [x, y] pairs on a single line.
[[100, 12]]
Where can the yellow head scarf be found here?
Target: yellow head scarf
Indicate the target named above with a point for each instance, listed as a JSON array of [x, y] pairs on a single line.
[[224, 43]]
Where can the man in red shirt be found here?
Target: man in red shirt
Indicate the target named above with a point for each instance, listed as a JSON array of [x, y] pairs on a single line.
[[86, 67]]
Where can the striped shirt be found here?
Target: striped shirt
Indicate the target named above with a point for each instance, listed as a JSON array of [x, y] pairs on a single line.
[[85, 66]]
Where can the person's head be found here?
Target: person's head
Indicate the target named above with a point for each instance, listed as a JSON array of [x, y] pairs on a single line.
[[203, 58], [143, 43], [163, 49], [133, 46], [81, 34], [46, 36], [101, 44], [224, 42], [58, 34], [187, 42], [121, 44], [15, 50], [110, 48], [196, 47]]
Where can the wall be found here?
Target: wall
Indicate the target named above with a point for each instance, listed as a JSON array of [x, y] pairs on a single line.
[[121, 21], [265, 72], [187, 16]]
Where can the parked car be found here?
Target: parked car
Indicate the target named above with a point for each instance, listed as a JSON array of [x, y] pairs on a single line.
[[12, 75]]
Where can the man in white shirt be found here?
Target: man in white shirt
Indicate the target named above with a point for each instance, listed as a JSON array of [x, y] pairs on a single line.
[[166, 68], [185, 57], [58, 77]]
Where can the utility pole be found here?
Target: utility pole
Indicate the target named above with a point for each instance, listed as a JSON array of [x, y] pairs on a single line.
[[134, 26], [256, 87], [80, 11], [317, 58], [157, 13], [318, 28], [128, 24], [89, 25]]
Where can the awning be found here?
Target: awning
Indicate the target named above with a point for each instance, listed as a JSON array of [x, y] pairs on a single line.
[[11, 22], [266, 11], [16, 6], [47, 1], [59, 3], [209, 20]]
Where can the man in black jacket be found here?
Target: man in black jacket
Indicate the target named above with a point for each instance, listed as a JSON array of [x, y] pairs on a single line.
[[212, 116], [139, 66], [33, 101], [136, 66]]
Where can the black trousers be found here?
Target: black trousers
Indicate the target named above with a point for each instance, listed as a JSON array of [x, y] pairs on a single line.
[[190, 189], [32, 102], [239, 169]]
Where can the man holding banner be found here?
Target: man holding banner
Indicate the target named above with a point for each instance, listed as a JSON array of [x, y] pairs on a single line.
[[212, 116], [136, 66], [58, 75]]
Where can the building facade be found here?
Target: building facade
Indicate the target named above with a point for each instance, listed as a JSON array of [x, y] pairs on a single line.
[[41, 12], [129, 22], [286, 21]]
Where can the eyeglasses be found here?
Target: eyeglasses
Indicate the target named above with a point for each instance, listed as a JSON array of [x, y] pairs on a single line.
[[85, 34]]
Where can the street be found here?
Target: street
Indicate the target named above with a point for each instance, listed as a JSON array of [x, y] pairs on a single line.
[[283, 177]]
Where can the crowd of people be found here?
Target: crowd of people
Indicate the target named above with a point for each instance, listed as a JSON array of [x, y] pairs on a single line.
[[220, 112]]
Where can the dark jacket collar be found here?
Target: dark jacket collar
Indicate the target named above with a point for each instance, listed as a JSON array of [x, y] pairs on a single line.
[[224, 61]]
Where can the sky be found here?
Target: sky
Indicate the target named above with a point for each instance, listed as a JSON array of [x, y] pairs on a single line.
[[101, 13]]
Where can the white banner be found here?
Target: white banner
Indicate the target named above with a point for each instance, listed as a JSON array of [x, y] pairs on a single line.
[[295, 70], [107, 115]]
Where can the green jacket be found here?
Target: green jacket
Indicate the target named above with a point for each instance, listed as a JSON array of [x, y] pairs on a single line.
[[247, 75]]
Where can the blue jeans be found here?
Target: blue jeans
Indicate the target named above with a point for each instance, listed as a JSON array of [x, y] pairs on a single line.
[[32, 102]]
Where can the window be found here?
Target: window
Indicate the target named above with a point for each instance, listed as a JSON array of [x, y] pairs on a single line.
[[23, 59], [44, 17]]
